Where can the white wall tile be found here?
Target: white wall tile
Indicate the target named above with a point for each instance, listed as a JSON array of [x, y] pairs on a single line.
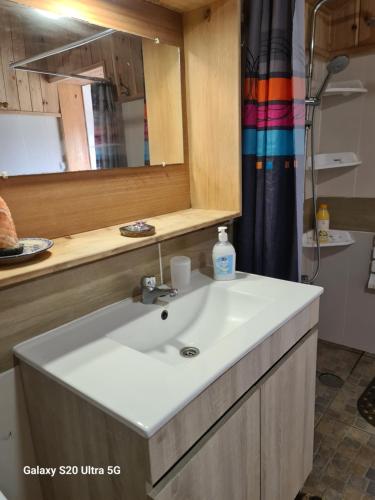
[[347, 314], [348, 124]]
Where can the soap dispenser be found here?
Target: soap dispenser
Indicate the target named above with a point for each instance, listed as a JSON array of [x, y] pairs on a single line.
[[224, 257]]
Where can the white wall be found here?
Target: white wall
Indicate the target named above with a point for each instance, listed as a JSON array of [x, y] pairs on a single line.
[[133, 113], [16, 449], [347, 310], [30, 144], [348, 124]]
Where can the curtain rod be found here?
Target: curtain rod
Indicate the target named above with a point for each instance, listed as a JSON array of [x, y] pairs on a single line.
[[63, 75], [59, 50]]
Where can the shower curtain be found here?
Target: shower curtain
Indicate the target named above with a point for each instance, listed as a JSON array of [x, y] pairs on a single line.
[[268, 236], [108, 127]]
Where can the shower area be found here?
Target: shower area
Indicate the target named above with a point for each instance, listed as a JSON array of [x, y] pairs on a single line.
[[340, 172], [340, 168]]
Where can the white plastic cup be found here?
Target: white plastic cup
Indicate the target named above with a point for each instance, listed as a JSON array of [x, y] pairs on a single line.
[[180, 272]]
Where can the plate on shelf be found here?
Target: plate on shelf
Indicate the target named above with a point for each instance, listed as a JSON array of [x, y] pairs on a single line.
[[31, 248], [336, 238]]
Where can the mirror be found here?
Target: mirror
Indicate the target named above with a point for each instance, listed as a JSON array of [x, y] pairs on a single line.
[[82, 97]]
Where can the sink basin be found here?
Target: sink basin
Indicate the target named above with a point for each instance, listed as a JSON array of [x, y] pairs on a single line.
[[126, 358], [198, 319]]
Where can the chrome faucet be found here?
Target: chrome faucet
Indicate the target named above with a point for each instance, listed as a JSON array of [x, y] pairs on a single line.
[[150, 292]]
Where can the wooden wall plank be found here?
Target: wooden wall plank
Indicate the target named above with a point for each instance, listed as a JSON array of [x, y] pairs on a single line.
[[6, 50], [63, 204], [212, 54], [19, 52], [162, 71], [132, 16], [74, 127], [182, 5]]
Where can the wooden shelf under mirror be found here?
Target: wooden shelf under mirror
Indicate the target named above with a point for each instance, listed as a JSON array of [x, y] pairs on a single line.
[[78, 249]]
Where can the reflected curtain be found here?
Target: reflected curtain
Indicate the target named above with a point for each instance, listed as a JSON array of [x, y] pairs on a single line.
[[108, 127], [268, 236]]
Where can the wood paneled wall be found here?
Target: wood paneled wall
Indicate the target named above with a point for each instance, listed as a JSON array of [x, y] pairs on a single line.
[[136, 17], [21, 91], [63, 204], [162, 68], [212, 38], [120, 54]]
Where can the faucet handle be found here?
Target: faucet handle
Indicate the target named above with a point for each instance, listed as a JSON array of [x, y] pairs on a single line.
[[148, 282]]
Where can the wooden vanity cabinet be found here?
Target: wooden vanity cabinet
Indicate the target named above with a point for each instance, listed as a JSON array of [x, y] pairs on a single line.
[[225, 464], [287, 422], [263, 447], [247, 436]]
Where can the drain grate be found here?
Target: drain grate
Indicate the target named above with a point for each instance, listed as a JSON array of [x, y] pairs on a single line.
[[366, 403], [189, 352], [331, 380]]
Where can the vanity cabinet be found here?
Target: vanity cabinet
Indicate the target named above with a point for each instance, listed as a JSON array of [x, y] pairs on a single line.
[[287, 423], [225, 464], [247, 436], [263, 447]]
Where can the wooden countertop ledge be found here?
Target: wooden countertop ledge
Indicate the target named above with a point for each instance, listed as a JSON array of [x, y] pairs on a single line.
[[78, 249]]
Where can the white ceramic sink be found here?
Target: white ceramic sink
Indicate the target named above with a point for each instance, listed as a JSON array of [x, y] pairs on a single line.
[[125, 358], [198, 319]]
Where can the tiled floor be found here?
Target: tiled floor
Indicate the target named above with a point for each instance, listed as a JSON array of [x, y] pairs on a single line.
[[344, 454]]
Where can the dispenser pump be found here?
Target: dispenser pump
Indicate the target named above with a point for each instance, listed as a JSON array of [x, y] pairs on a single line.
[[223, 236]]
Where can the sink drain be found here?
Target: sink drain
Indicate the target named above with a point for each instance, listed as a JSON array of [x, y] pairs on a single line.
[[189, 352]]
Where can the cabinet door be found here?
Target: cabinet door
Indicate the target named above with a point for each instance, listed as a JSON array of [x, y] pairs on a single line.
[[287, 423], [224, 465]]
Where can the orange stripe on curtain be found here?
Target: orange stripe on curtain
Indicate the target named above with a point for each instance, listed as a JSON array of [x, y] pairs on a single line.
[[275, 89]]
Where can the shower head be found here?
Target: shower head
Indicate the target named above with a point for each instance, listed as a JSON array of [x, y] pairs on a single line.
[[337, 64]]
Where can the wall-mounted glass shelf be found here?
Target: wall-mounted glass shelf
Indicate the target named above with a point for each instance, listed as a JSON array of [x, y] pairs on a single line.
[[336, 238], [325, 161], [345, 88]]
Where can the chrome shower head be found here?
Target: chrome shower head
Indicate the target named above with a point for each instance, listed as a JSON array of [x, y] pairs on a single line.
[[337, 64]]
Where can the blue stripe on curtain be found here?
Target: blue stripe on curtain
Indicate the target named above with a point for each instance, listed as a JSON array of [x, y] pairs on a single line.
[[273, 142]]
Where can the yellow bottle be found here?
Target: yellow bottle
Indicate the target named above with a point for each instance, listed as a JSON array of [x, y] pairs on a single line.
[[322, 219]]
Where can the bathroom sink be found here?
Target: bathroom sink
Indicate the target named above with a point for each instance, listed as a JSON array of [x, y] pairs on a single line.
[[143, 363], [198, 320]]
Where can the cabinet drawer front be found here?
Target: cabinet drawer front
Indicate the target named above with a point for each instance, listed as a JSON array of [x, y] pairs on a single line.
[[287, 423], [224, 465]]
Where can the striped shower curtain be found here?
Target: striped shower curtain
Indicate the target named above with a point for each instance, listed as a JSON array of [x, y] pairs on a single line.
[[268, 236]]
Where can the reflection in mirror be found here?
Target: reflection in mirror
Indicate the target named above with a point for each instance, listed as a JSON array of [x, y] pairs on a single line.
[[83, 108]]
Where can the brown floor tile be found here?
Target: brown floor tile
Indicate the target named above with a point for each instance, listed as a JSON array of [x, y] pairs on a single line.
[[336, 359], [343, 462], [344, 406], [344, 444]]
